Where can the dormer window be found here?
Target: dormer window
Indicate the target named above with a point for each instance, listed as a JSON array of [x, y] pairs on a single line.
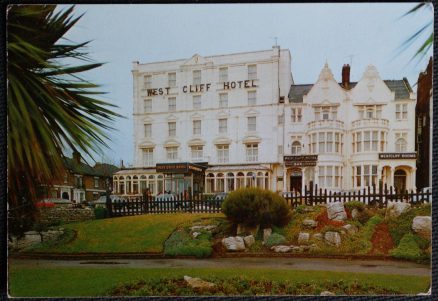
[[326, 113]]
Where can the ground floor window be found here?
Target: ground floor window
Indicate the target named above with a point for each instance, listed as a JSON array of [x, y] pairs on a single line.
[[330, 176], [364, 175], [226, 182]]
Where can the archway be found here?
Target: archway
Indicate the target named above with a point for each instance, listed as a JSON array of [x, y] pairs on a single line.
[[400, 180], [65, 196], [296, 180]]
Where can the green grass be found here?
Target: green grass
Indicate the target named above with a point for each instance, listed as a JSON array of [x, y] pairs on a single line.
[[81, 282], [141, 233]]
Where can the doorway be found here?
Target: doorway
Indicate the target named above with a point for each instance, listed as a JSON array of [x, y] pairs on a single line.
[[296, 181], [400, 180]]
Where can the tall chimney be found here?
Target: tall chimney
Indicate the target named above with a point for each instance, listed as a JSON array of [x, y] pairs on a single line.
[[346, 76], [77, 157]]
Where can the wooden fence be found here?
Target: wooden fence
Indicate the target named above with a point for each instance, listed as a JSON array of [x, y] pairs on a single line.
[[372, 196]]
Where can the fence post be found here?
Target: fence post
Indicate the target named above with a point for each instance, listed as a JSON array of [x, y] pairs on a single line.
[[108, 204]]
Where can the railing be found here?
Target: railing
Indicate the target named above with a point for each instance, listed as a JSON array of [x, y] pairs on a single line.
[[372, 122], [322, 124], [374, 196]]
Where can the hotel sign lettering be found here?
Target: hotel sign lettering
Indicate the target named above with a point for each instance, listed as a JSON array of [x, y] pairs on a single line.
[[178, 168], [300, 161], [395, 156], [204, 87]]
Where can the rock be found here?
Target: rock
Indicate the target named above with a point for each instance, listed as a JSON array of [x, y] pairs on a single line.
[[249, 240], [308, 209], [303, 238], [266, 233], [234, 243], [354, 213], [206, 228], [394, 209], [327, 293], [296, 249], [198, 282], [336, 211], [423, 226], [309, 223], [332, 238], [242, 229], [351, 229], [317, 236], [281, 249], [428, 293], [196, 234]]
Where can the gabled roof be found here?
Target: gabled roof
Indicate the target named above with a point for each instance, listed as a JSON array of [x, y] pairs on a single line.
[[100, 169], [402, 90]]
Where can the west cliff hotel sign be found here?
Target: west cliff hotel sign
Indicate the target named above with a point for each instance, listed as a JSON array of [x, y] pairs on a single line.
[[300, 161], [204, 87]]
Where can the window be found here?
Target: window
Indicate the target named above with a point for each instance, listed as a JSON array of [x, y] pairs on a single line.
[[296, 148], [371, 141], [400, 145], [366, 141], [147, 106], [223, 74], [252, 151], [358, 176], [329, 144], [382, 141], [296, 115], [197, 77], [401, 111], [223, 123], [172, 79], [96, 182], [321, 143], [172, 129], [252, 100], [365, 175], [172, 104], [148, 130], [359, 142], [222, 153], [280, 119], [196, 127], [252, 72], [148, 156], [338, 143], [375, 141], [325, 113], [197, 152], [79, 183], [197, 102], [147, 81], [223, 100], [172, 153], [313, 144], [370, 113], [252, 124]]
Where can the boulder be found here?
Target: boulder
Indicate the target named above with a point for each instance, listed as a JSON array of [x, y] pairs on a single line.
[[350, 229], [196, 234], [303, 238], [327, 293], [332, 238], [317, 236], [394, 209], [266, 233], [310, 223], [281, 249], [206, 228], [336, 211], [234, 243], [249, 240], [422, 225], [198, 282], [354, 213], [242, 229]]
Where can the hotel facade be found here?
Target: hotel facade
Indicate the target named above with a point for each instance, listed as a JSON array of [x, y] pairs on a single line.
[[218, 123]]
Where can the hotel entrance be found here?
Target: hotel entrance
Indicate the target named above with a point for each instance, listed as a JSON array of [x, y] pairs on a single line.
[[182, 177], [296, 180]]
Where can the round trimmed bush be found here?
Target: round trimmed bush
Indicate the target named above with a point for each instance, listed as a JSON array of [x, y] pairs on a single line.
[[255, 206]]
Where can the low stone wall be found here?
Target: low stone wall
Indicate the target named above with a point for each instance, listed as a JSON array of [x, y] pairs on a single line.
[[65, 215]]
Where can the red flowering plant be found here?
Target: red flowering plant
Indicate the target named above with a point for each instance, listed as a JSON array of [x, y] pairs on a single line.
[[45, 205]]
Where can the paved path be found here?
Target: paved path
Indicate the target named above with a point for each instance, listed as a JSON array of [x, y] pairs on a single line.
[[315, 264]]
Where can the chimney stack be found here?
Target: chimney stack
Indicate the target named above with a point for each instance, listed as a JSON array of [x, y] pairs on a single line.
[[77, 157], [346, 76]]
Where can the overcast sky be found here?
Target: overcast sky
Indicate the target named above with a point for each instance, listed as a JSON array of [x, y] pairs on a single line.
[[359, 34]]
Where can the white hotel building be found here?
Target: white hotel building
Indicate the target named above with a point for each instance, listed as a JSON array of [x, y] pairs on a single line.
[[218, 123]]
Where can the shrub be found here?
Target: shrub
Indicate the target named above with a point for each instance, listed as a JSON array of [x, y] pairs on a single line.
[[255, 206], [100, 212], [355, 205], [407, 249], [275, 239], [181, 243]]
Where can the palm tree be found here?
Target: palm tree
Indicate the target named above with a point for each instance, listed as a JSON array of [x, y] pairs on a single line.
[[50, 107]]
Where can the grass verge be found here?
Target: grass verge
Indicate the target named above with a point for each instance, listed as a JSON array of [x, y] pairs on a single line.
[[81, 282], [141, 233]]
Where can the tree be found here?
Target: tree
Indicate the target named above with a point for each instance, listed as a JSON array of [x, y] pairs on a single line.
[[50, 106]]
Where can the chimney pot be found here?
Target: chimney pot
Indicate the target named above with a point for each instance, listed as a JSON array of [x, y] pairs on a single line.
[[346, 76]]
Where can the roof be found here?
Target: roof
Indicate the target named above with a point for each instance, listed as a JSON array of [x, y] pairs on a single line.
[[402, 90], [236, 168], [105, 170]]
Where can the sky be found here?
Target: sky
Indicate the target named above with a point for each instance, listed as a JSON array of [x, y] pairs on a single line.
[[358, 34]]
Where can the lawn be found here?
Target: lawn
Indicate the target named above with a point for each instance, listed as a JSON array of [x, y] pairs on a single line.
[[81, 282], [141, 233]]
